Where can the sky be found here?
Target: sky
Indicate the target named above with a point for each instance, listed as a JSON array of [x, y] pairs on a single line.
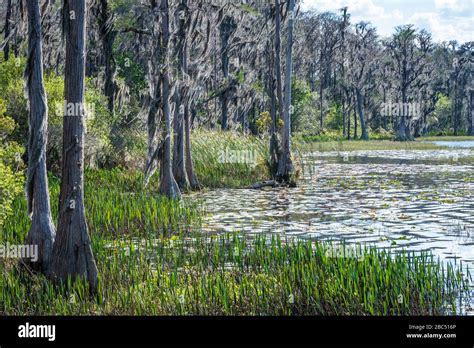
[[445, 19]]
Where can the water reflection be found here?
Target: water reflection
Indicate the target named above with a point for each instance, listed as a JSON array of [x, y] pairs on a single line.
[[415, 200]]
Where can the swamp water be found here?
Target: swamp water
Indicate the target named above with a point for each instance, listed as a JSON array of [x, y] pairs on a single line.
[[415, 200]]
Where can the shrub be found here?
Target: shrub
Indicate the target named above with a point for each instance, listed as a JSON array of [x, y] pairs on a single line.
[[11, 176], [98, 122]]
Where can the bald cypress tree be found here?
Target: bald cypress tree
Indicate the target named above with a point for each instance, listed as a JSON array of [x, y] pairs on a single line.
[[42, 231], [285, 164], [72, 253]]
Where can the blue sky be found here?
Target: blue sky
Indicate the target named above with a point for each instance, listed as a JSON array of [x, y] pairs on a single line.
[[445, 19]]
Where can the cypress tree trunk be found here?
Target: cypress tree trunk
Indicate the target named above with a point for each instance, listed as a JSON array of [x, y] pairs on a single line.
[[285, 165], [42, 231], [278, 75], [227, 27], [348, 97], [193, 180], [8, 14], [72, 253], [168, 185], [403, 129], [107, 35], [275, 82], [154, 118], [355, 114], [365, 135], [274, 117], [471, 111], [179, 161], [189, 165]]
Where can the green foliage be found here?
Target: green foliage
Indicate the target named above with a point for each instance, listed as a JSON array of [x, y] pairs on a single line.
[[304, 107], [11, 185], [117, 204], [311, 143], [381, 134], [323, 135], [264, 122], [228, 159], [440, 119], [12, 92], [234, 275], [11, 178], [98, 121], [333, 118], [132, 73]]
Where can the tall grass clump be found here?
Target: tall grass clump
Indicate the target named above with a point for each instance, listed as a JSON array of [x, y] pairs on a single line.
[[116, 204], [233, 275], [229, 159], [304, 145]]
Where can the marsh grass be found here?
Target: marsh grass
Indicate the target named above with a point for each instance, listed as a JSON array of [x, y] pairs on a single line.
[[154, 260], [212, 172], [234, 275], [302, 146], [116, 204], [447, 138]]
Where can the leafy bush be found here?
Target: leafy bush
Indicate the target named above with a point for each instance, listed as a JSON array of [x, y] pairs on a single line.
[[98, 121], [439, 120], [305, 114], [264, 122], [228, 159], [380, 134], [11, 176], [12, 92], [333, 118]]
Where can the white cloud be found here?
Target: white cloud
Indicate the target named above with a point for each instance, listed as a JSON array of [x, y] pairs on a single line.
[[444, 29], [445, 19], [452, 5]]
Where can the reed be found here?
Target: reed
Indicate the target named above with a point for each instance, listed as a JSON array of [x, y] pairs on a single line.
[[235, 275]]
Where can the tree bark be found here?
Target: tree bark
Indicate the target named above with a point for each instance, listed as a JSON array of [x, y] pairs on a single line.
[[192, 177], [348, 97], [355, 114], [278, 75], [179, 161], [107, 35], [401, 124], [285, 165], [42, 231], [365, 135], [471, 111], [6, 48], [227, 27], [168, 185], [321, 108], [72, 253], [274, 73]]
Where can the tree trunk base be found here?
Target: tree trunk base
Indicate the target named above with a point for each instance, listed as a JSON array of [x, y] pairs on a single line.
[[72, 256], [41, 234]]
